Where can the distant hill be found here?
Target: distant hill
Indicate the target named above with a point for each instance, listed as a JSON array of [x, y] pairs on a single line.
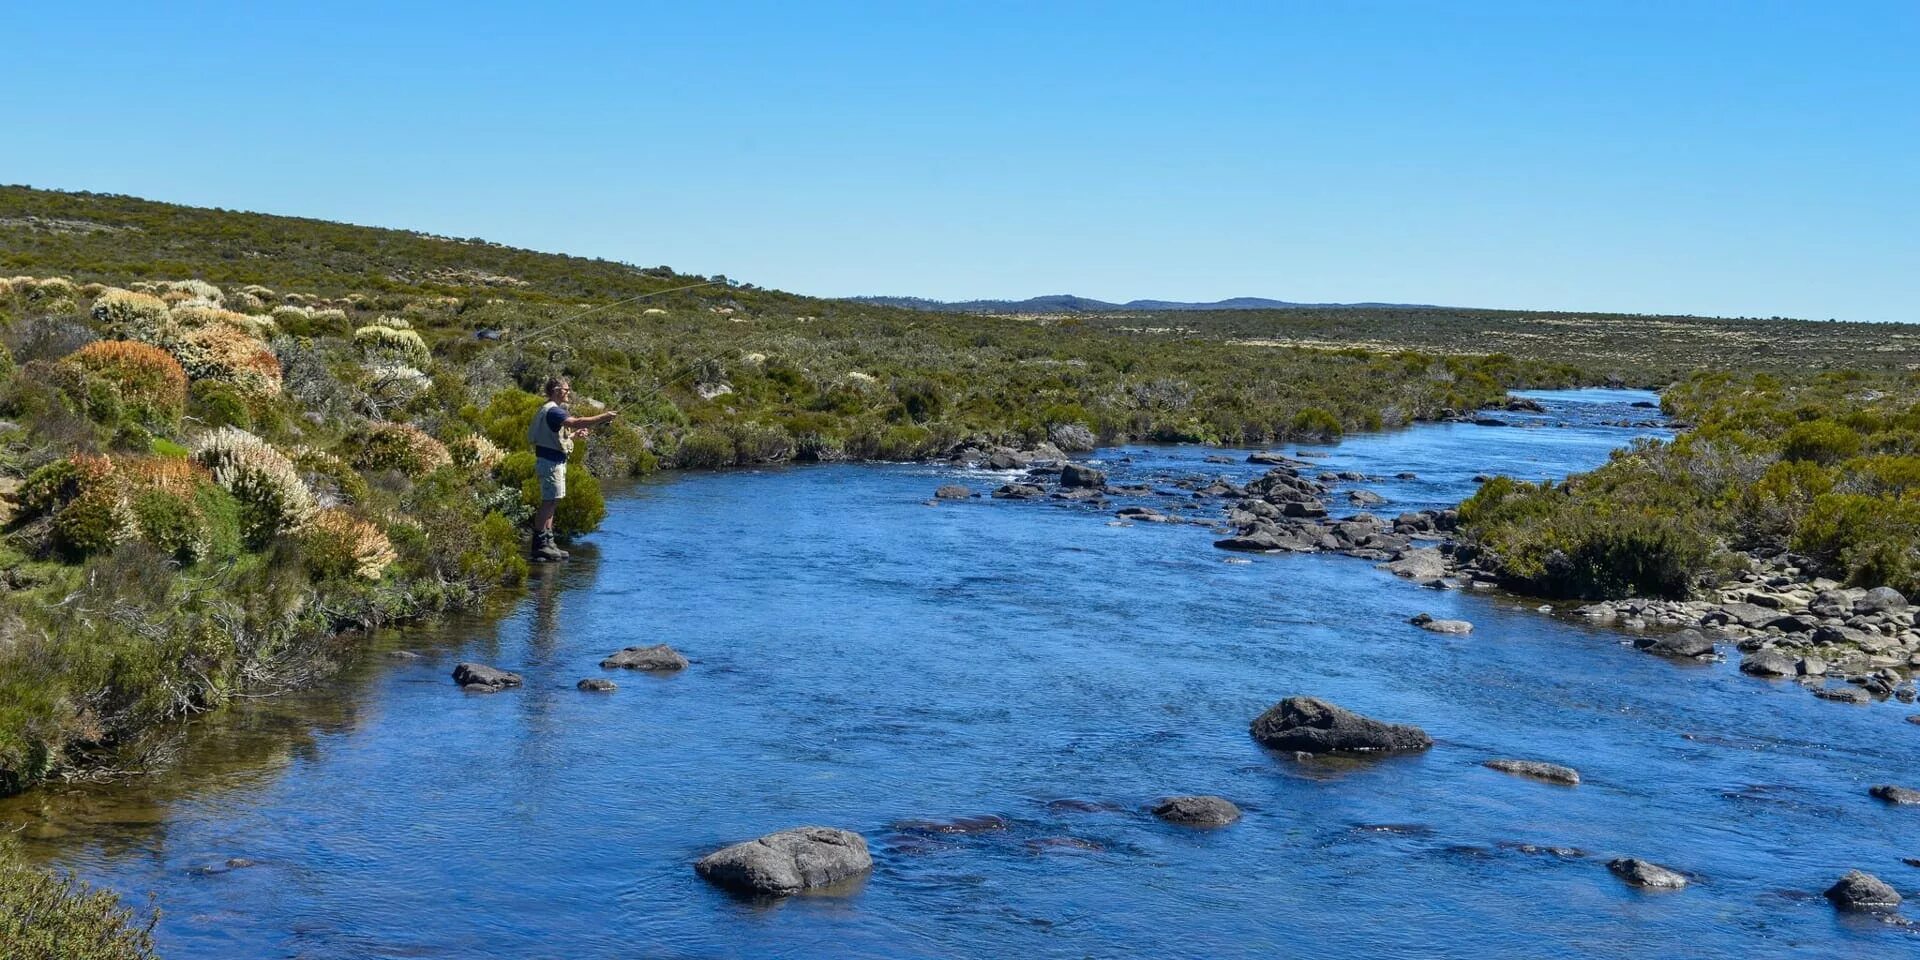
[[1068, 303]]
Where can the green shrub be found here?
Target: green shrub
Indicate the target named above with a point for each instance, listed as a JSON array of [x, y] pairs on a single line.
[[94, 522], [498, 558], [172, 524], [47, 916], [1315, 422], [218, 404], [396, 446], [704, 449], [1820, 441], [581, 510], [1867, 540]]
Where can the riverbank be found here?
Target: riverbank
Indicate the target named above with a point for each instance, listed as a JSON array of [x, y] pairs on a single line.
[[995, 694]]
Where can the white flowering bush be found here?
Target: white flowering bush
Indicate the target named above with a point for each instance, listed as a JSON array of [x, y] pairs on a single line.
[[391, 383], [198, 290], [273, 499], [128, 315], [379, 343], [475, 450]]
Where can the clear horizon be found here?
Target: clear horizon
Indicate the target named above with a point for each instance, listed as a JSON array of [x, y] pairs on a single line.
[[1688, 158]]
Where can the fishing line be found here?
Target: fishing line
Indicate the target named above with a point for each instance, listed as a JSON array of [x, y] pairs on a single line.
[[605, 306]]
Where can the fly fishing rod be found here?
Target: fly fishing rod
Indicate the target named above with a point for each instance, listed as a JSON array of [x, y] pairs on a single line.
[[518, 337]]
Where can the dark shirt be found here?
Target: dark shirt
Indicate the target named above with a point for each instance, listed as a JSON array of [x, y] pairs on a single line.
[[556, 418]]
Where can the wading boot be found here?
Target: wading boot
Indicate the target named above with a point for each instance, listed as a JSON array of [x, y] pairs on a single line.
[[543, 550]]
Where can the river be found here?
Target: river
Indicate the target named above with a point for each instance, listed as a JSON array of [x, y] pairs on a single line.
[[861, 659]]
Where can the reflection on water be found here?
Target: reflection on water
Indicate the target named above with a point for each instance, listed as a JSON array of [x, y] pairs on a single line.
[[993, 693]]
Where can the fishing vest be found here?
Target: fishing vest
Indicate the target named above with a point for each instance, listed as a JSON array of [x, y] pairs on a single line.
[[547, 438]]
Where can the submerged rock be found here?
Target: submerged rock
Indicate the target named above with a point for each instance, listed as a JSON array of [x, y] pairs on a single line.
[[787, 862], [1898, 796], [1860, 891], [1647, 875], [1539, 770], [596, 685], [658, 657], [1019, 491], [1312, 725], [1425, 621], [480, 678], [1197, 811]]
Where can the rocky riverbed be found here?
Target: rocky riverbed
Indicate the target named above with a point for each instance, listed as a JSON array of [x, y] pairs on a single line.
[[1846, 644]]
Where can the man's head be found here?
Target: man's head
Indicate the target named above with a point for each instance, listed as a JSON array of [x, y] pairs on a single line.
[[558, 388]]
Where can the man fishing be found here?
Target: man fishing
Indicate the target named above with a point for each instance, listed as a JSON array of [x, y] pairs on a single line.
[[551, 433]]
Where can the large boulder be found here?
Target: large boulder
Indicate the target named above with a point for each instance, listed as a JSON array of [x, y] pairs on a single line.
[[480, 678], [1072, 437], [1424, 563], [1074, 475], [1768, 663], [1880, 600], [1312, 725], [1537, 769], [1267, 541], [658, 657], [1863, 892], [1202, 811], [788, 862], [1680, 643], [1645, 874], [953, 491]]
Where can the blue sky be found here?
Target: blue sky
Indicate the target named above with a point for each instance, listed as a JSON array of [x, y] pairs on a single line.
[[1731, 158]]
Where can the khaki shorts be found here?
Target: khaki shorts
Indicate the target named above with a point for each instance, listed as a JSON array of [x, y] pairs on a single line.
[[553, 479]]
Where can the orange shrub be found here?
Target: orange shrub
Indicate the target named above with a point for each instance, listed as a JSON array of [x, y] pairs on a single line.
[[145, 376]]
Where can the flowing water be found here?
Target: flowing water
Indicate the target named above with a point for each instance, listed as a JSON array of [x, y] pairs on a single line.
[[862, 659]]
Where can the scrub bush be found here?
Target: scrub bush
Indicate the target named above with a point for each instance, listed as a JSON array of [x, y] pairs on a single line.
[[225, 354], [150, 383], [396, 446], [704, 449], [125, 313], [379, 343], [476, 451], [579, 512], [172, 524], [48, 916], [273, 499], [338, 544]]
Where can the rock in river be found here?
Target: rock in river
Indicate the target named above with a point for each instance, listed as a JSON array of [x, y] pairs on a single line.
[[788, 862], [1204, 811], [1423, 563], [1425, 621], [596, 685], [1075, 475], [480, 678], [1682, 643], [1538, 770], [1863, 891], [1312, 725], [1768, 663], [1642, 873], [952, 491], [1898, 796], [657, 657]]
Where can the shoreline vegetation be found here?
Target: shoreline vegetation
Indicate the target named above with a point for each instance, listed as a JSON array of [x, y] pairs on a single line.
[[231, 443]]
